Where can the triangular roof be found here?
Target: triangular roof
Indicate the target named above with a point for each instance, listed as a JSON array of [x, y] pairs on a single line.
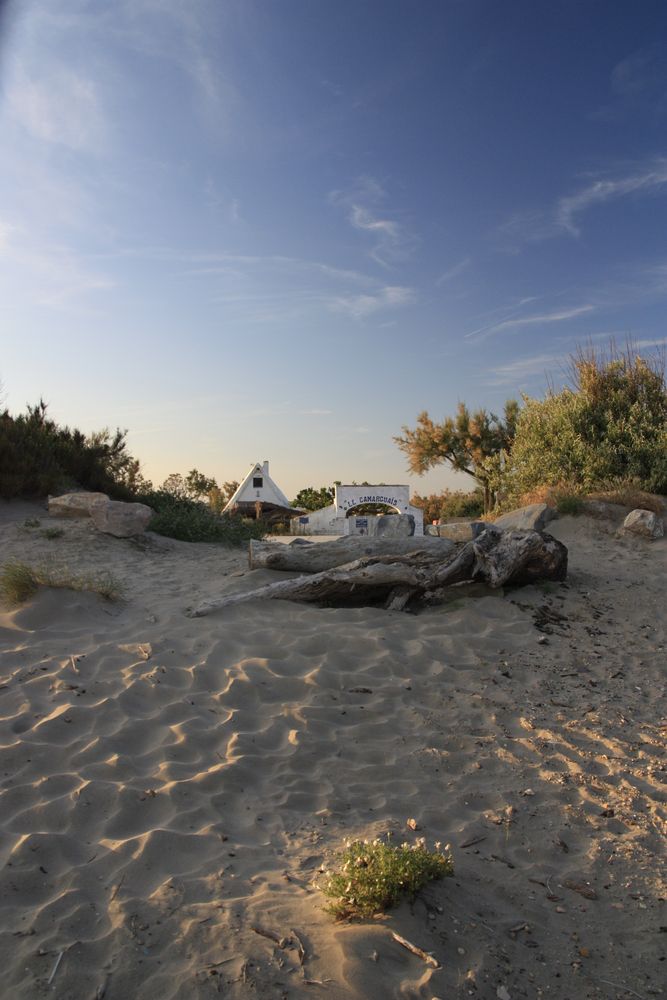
[[267, 493]]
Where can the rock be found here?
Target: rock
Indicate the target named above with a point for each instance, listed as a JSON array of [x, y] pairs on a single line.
[[459, 531], [121, 519], [531, 518], [645, 523], [395, 526], [75, 504]]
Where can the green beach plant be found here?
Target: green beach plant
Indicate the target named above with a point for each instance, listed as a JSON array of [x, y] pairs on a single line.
[[372, 876]]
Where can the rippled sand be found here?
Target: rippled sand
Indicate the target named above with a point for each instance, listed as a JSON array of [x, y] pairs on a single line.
[[171, 787]]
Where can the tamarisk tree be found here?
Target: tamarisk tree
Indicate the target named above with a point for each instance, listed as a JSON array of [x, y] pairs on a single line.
[[471, 442]]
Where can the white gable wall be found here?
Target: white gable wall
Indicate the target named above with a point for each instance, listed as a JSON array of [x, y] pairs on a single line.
[[250, 490]]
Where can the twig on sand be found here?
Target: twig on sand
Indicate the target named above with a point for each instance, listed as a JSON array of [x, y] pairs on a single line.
[[74, 666], [416, 950], [117, 888], [471, 843], [101, 990], [619, 986], [271, 935], [301, 951], [55, 968]]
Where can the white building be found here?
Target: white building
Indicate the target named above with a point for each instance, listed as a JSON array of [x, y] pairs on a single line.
[[339, 517], [259, 488]]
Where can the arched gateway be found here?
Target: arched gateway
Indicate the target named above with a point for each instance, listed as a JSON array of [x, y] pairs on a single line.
[[338, 520]]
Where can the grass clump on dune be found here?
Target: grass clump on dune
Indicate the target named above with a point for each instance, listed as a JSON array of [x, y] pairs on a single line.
[[19, 582], [373, 876]]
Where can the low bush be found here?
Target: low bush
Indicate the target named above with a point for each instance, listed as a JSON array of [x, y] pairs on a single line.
[[373, 876], [193, 521], [449, 504]]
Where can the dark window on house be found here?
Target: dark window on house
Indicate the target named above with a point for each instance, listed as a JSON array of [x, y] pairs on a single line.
[[257, 482]]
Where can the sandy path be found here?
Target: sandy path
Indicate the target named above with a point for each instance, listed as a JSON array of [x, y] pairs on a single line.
[[168, 783]]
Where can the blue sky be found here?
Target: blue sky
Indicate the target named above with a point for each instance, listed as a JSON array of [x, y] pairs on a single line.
[[281, 229]]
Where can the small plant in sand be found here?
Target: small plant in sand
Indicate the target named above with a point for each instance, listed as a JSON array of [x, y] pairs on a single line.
[[373, 876], [18, 582], [31, 522], [53, 533]]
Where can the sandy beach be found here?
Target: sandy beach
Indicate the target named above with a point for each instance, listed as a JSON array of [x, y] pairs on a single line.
[[172, 787]]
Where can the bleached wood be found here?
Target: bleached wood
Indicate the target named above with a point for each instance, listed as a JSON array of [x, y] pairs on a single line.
[[313, 557]]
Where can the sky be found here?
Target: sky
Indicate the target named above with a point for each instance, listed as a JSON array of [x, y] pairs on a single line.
[[281, 229]]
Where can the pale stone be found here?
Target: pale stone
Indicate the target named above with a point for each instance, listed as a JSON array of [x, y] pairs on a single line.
[[395, 526], [75, 504], [460, 531], [645, 523], [121, 519], [534, 517]]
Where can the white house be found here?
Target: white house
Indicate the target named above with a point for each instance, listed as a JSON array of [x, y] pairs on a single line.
[[259, 488]]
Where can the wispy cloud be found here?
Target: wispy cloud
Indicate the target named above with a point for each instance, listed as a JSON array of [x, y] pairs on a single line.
[[647, 181], [636, 82], [649, 178], [391, 240], [361, 306], [59, 106], [454, 271], [539, 319], [522, 369]]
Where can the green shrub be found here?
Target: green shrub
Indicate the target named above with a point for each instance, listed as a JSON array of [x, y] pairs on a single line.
[[612, 424], [192, 521], [449, 504], [373, 876], [569, 503], [37, 457]]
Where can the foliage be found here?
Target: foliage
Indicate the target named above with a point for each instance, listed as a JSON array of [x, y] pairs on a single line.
[[220, 496], [193, 521], [197, 486], [19, 582], [38, 457], [611, 424], [373, 876], [470, 442], [312, 499], [569, 503], [450, 503]]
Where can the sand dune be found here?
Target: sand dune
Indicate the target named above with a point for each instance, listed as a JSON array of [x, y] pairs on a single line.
[[169, 784]]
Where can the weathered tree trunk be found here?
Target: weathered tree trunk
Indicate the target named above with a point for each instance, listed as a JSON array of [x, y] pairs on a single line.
[[313, 557], [496, 557]]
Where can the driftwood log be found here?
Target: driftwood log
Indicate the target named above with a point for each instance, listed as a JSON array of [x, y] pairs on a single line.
[[300, 556], [495, 557]]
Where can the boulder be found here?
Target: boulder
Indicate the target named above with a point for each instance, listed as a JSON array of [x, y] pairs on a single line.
[[534, 517], [459, 531], [395, 526], [121, 519], [645, 523], [75, 504]]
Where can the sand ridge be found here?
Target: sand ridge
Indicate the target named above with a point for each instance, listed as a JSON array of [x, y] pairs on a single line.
[[171, 788]]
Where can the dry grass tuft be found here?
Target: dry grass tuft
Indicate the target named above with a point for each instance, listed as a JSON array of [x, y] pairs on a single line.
[[19, 582]]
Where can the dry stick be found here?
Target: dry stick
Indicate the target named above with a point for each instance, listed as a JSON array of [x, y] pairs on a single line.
[[271, 935], [300, 948], [116, 890], [419, 952], [618, 986], [471, 843], [74, 666], [55, 968]]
